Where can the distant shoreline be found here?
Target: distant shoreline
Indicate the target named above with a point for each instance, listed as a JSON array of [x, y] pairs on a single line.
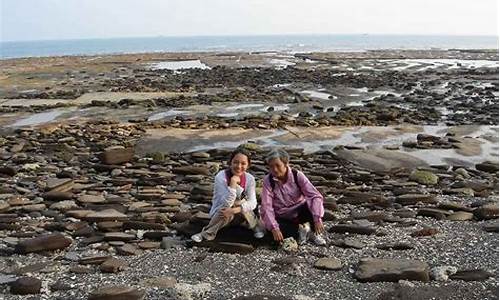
[[230, 52], [289, 44]]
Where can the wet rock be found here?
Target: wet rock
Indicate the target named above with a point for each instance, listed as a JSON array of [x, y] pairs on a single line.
[[26, 286], [116, 156], [372, 269], [328, 263], [488, 166], [117, 292], [43, 243]]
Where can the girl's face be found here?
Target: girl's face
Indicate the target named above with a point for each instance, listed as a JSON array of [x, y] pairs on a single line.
[[239, 164], [277, 168]]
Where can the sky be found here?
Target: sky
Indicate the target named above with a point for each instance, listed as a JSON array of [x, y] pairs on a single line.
[[78, 19]]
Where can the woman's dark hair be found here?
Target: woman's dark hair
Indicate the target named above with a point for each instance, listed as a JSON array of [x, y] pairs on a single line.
[[239, 151]]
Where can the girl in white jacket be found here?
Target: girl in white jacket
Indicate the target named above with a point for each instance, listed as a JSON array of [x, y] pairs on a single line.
[[234, 196]]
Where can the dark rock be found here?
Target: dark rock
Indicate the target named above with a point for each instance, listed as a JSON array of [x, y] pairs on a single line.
[[486, 211], [471, 275], [43, 243], [26, 286], [490, 167], [343, 228]]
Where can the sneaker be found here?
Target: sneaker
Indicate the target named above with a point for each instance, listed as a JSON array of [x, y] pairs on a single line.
[[197, 237], [304, 231], [258, 233], [318, 240]]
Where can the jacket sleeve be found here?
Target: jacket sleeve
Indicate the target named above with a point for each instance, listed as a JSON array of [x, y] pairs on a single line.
[[267, 212], [251, 200], [313, 197], [223, 194]]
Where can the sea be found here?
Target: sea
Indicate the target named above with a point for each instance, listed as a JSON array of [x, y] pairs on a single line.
[[257, 43]]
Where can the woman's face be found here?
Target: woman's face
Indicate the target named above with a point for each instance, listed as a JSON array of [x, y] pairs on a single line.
[[277, 168], [239, 164]]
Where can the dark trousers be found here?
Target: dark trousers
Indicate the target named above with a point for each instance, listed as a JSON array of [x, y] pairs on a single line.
[[289, 228]]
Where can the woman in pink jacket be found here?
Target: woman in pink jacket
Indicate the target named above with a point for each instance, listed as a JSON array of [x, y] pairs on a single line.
[[289, 197]]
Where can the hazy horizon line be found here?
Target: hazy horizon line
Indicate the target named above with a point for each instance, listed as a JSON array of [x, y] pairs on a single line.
[[252, 35]]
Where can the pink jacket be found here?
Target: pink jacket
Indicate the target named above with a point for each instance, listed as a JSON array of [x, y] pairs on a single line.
[[286, 198]]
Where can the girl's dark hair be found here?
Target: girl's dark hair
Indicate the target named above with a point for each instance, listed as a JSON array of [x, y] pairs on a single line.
[[239, 151]]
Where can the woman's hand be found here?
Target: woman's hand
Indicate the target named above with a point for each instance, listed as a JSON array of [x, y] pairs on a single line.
[[228, 212], [319, 228], [277, 235], [234, 181]]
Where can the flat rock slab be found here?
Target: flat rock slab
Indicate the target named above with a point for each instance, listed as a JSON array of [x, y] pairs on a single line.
[[43, 243], [328, 263], [117, 292], [106, 215], [393, 270], [118, 236]]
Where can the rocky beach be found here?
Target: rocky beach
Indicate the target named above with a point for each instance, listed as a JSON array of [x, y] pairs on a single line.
[[107, 165]]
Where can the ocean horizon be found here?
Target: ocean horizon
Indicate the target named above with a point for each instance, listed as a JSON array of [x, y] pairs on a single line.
[[256, 43]]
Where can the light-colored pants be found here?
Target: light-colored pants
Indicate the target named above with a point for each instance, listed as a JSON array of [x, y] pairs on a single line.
[[218, 222]]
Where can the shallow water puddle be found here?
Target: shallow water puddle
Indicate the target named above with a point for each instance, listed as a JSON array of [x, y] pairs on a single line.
[[40, 118], [179, 65], [165, 114]]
